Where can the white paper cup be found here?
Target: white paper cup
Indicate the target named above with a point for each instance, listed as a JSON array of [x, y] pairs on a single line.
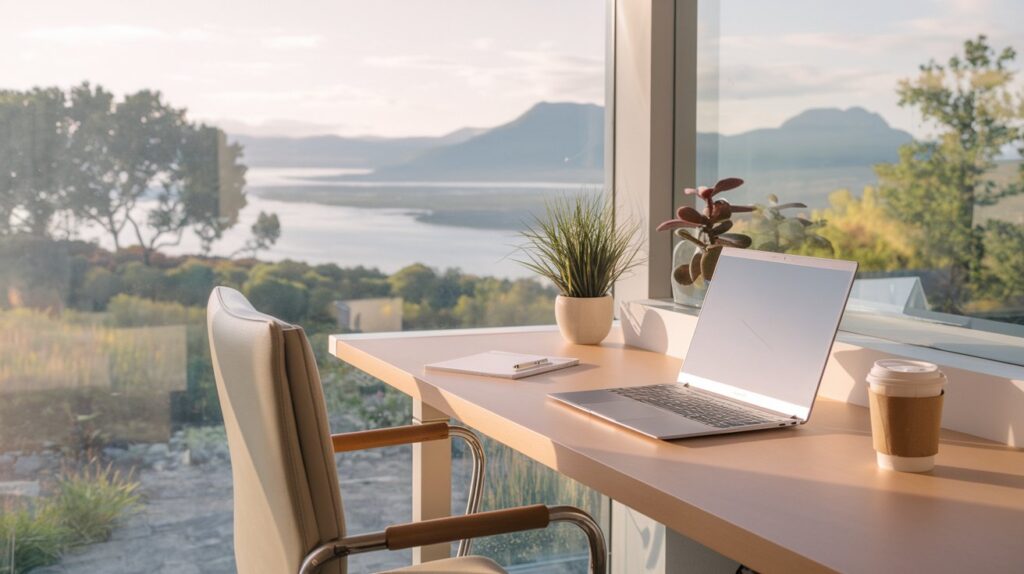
[[905, 378]]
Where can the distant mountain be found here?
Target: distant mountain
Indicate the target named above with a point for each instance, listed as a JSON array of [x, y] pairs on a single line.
[[565, 142], [815, 138], [549, 142], [342, 152]]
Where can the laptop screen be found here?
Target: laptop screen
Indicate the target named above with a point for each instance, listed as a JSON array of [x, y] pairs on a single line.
[[766, 328]]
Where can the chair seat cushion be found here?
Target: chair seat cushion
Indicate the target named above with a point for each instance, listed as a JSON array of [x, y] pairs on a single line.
[[465, 565]]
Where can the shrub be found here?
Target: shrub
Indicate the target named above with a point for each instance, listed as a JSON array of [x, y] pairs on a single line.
[[287, 300], [99, 287], [29, 540], [141, 280], [190, 284], [89, 502], [129, 311], [86, 506]]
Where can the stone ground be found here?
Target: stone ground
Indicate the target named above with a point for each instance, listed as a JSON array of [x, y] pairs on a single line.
[[185, 524]]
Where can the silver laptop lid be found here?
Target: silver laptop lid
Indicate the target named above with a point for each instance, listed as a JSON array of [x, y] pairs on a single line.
[[766, 328]]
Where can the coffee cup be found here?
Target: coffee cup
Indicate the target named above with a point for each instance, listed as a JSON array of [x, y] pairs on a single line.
[[905, 399]]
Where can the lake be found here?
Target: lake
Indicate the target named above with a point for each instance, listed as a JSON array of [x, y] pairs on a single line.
[[387, 238]]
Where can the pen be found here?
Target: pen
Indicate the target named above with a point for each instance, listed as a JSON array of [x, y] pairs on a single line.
[[530, 364]]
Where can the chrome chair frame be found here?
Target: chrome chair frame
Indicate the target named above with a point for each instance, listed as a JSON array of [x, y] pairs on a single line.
[[379, 541]]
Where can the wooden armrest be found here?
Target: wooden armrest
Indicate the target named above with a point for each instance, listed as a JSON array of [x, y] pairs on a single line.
[[442, 530], [455, 528], [389, 437]]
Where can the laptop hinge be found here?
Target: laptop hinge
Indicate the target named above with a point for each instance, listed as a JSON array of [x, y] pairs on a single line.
[[729, 399]]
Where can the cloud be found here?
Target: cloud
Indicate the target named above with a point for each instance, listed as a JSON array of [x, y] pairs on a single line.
[[300, 42], [301, 96], [798, 80], [277, 127], [540, 73], [104, 34]]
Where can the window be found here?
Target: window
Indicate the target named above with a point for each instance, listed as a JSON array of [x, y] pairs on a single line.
[[349, 166], [900, 128]]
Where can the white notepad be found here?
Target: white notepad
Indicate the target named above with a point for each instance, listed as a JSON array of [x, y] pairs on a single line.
[[501, 364]]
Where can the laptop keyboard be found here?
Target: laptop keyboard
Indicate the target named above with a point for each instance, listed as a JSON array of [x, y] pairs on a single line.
[[694, 406]]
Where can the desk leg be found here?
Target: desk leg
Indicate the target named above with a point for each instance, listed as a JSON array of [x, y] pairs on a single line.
[[642, 546], [431, 481]]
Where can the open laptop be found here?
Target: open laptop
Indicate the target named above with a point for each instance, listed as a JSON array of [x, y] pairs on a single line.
[[756, 357]]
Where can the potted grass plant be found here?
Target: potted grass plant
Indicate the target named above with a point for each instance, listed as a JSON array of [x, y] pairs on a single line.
[[579, 247]]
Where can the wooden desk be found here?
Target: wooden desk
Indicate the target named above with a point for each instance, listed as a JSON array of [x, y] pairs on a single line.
[[801, 499]]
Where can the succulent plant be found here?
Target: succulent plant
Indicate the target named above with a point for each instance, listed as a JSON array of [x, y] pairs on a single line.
[[773, 231], [708, 230]]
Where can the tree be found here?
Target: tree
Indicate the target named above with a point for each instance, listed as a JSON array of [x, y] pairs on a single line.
[[33, 130], [265, 233], [861, 229], [213, 180], [937, 184], [140, 166]]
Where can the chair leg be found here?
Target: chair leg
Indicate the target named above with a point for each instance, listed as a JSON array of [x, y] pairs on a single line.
[[595, 538], [476, 481]]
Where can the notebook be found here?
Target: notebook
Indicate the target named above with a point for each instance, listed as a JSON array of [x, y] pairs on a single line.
[[502, 364]]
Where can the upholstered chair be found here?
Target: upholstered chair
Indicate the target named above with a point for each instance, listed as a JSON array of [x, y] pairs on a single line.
[[287, 502]]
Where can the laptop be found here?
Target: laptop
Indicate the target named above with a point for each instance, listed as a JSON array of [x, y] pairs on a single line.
[[757, 355]]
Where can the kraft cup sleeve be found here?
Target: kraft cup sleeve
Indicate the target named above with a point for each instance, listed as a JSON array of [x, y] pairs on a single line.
[[906, 426]]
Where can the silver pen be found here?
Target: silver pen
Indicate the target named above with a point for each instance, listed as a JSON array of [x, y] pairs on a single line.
[[530, 364]]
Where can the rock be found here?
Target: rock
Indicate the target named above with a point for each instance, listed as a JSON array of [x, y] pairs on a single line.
[[221, 452], [156, 453], [198, 456], [26, 488], [7, 459], [114, 453], [29, 464]]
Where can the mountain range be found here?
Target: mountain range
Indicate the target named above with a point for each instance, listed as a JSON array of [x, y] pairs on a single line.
[[565, 142]]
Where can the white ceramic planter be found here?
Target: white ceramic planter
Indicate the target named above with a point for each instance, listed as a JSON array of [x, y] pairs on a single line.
[[584, 320]]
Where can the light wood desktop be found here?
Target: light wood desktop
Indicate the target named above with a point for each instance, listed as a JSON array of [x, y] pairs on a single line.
[[800, 499]]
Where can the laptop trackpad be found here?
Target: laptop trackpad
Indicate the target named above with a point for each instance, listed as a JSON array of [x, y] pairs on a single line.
[[625, 410]]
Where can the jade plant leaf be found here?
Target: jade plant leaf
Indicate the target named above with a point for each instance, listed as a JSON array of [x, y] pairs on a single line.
[[691, 215], [695, 264], [709, 261], [736, 240], [675, 223], [722, 227], [720, 211], [684, 234], [682, 275], [727, 184], [791, 205]]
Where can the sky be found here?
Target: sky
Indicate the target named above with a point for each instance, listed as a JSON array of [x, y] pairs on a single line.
[[428, 67]]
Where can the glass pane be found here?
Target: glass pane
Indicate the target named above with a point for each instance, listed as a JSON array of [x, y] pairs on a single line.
[[348, 166], [890, 135]]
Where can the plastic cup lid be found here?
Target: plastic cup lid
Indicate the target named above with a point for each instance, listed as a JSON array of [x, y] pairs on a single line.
[[905, 370]]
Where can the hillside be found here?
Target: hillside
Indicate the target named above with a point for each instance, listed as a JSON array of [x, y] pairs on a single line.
[[564, 142], [342, 152], [550, 142], [815, 138]]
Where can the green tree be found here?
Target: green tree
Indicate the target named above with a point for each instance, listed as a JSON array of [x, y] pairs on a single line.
[[861, 229], [937, 184], [139, 166], [33, 131], [213, 180], [287, 300], [265, 233]]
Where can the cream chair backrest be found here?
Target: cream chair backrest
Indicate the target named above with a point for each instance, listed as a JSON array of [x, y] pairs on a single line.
[[287, 500]]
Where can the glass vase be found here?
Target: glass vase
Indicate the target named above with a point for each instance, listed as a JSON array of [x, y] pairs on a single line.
[[690, 295]]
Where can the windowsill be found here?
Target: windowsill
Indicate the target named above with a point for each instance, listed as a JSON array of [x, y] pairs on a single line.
[[986, 352]]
